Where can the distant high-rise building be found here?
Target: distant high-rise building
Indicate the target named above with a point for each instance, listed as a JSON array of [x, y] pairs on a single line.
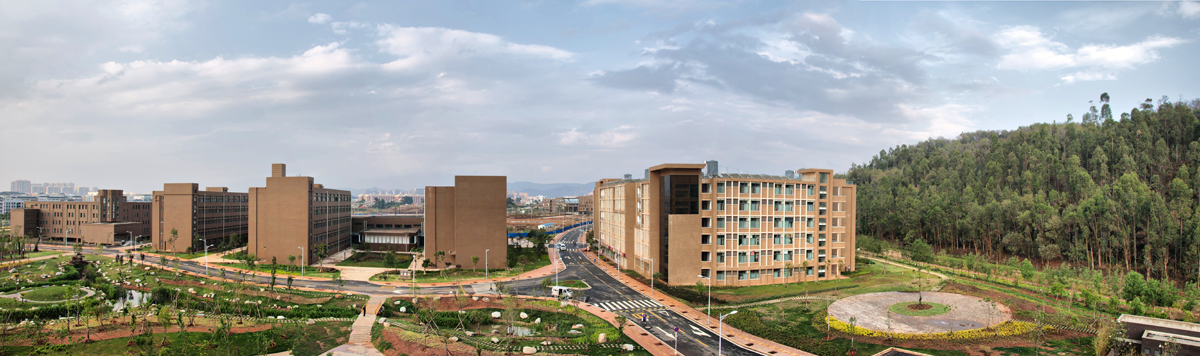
[[21, 186], [82, 191]]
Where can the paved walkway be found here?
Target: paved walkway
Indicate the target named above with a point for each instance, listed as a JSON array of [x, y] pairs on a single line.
[[360, 333]]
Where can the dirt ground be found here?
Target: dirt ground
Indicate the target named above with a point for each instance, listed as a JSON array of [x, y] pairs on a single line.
[[966, 312], [1014, 303]]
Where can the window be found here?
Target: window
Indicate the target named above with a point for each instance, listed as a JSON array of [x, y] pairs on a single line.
[[720, 257], [824, 178], [720, 275], [788, 189], [754, 240], [754, 206], [720, 240], [741, 275], [810, 189], [756, 188], [777, 275], [808, 254], [706, 205], [754, 256], [704, 188], [720, 189], [837, 191], [705, 239], [705, 256], [778, 205], [754, 223], [743, 241], [720, 223], [788, 239], [720, 205], [809, 271], [743, 223], [820, 240], [821, 225], [821, 209], [744, 188], [778, 189], [777, 239], [704, 222], [777, 255], [823, 192], [810, 223], [743, 205], [754, 274], [704, 273], [810, 205]]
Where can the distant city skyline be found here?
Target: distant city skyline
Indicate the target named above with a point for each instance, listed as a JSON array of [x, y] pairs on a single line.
[[134, 94]]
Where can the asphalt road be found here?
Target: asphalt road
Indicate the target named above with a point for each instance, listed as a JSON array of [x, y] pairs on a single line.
[[610, 294]]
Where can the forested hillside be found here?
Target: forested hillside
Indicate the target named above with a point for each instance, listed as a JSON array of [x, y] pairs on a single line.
[[1103, 192]]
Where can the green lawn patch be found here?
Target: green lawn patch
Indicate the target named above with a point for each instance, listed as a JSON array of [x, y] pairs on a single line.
[[456, 275], [912, 308], [285, 270], [867, 279], [53, 294], [33, 255], [377, 260], [301, 339], [573, 283]]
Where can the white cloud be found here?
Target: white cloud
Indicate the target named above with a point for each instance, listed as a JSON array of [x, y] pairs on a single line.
[[1189, 9], [423, 45], [613, 138], [1029, 49], [948, 120], [319, 18], [342, 28]]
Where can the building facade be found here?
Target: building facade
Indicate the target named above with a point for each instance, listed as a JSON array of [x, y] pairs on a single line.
[[21, 186], [292, 216], [107, 220], [687, 220], [210, 216], [400, 233], [1152, 336], [467, 220]]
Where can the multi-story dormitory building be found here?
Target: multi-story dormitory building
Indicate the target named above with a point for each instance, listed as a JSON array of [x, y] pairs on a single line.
[[686, 221], [291, 216], [109, 219], [214, 215]]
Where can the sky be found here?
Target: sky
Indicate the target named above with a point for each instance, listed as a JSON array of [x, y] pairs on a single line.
[[131, 94]]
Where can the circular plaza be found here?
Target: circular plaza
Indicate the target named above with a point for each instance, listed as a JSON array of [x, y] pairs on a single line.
[[899, 312]]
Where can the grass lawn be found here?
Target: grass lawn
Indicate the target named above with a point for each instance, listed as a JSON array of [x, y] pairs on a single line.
[[1076, 347], [9, 303], [906, 309], [53, 294], [455, 275], [376, 260], [573, 283], [302, 340], [285, 270], [34, 255], [875, 278]]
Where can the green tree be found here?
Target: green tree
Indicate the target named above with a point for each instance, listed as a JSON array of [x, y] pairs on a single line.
[[920, 251]]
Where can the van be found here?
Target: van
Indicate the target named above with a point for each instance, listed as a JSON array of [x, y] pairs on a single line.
[[560, 291]]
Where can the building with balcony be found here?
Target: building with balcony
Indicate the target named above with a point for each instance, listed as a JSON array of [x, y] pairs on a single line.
[[688, 220]]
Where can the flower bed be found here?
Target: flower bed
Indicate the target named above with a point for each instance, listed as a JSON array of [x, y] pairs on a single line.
[[1008, 328]]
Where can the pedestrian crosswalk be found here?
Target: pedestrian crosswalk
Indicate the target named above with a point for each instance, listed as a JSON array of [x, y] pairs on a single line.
[[629, 304]]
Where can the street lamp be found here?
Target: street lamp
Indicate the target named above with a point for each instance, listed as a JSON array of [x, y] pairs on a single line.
[[709, 299], [302, 259], [485, 264], [205, 257], [720, 337]]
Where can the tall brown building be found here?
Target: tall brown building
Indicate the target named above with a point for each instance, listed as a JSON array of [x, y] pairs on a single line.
[[688, 220], [466, 220], [213, 214], [293, 216], [108, 219]]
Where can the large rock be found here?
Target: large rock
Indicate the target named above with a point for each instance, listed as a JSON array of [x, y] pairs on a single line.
[[495, 340], [387, 325], [538, 321], [475, 299], [546, 343], [602, 338], [627, 347], [469, 333], [382, 320], [403, 310], [495, 315], [574, 332], [523, 315], [396, 303], [528, 350], [453, 339], [486, 299], [577, 326]]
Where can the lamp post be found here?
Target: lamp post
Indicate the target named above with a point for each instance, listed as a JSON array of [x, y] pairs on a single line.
[[130, 236], [485, 264], [303, 258], [709, 310], [205, 257], [720, 324]]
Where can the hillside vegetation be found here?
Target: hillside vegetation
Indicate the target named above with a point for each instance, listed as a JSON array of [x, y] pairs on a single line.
[[1102, 192]]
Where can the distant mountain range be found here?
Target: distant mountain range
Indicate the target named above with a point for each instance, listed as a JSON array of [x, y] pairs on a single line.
[[552, 190]]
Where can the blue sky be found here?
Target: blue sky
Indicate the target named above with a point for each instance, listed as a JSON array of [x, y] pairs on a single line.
[[131, 94]]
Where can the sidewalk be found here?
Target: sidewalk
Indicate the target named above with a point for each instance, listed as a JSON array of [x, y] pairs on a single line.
[[732, 335], [360, 333]]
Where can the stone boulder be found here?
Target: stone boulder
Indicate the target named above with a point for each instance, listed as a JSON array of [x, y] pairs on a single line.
[[403, 309], [574, 332], [528, 350], [602, 338], [627, 347], [538, 321], [382, 320], [486, 299], [311, 322], [546, 343], [469, 333], [577, 326], [495, 315], [495, 340], [453, 339], [523, 315], [475, 299], [397, 302]]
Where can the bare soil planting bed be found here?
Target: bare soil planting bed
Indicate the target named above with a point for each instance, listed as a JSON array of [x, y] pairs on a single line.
[[966, 312]]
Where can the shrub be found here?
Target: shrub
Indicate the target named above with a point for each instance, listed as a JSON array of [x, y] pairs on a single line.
[[1008, 328]]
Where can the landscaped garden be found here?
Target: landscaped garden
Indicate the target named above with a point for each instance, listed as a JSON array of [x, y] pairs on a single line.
[[520, 260], [464, 324], [145, 308]]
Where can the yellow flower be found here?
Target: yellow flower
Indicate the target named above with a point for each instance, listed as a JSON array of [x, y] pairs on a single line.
[[1008, 328]]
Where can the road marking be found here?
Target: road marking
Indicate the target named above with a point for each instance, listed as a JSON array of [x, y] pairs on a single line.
[[668, 323], [386, 287], [697, 331], [665, 332]]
